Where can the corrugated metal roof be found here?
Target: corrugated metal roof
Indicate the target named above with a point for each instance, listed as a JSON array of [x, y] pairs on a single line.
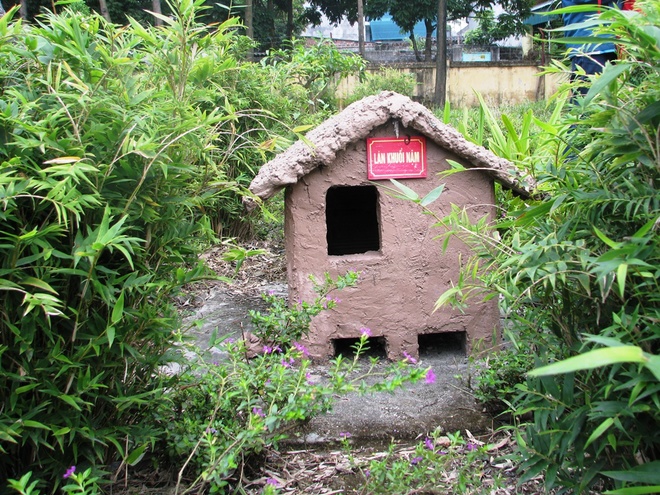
[[385, 29]]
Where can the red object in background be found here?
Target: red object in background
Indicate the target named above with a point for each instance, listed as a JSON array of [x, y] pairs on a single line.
[[628, 5], [396, 158]]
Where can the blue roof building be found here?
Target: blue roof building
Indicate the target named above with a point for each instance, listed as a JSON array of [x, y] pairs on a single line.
[[385, 29]]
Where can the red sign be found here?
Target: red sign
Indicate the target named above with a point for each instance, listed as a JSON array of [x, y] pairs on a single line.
[[396, 158]]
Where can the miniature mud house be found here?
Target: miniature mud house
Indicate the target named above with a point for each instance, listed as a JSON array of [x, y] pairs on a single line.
[[339, 218]]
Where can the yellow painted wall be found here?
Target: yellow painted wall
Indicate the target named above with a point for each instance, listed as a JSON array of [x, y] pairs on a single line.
[[497, 83]]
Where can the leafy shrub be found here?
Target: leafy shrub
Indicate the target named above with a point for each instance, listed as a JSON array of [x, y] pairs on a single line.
[[580, 267], [498, 376], [316, 68], [111, 145], [387, 79], [284, 323]]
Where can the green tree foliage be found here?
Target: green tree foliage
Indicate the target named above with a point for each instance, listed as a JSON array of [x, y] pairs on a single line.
[[406, 14], [578, 273], [489, 30]]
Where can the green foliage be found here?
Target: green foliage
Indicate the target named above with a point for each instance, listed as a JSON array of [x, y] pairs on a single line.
[[284, 324], [224, 414], [113, 147], [317, 69], [497, 377], [286, 93], [387, 79], [487, 32], [578, 270], [440, 464]]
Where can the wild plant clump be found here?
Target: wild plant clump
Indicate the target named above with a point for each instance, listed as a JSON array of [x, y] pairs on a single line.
[[110, 144], [577, 272]]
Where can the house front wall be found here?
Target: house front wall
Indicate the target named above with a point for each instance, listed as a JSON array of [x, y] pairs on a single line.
[[399, 283]]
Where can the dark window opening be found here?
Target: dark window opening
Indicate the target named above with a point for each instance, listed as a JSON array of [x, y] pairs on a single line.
[[432, 344], [377, 347], [351, 216]]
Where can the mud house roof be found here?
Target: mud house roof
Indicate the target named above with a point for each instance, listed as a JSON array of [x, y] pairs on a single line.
[[355, 122]]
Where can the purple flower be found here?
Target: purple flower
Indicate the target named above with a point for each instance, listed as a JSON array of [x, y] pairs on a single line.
[[288, 362], [365, 331], [430, 376], [272, 481], [69, 472], [258, 411], [268, 349], [367, 473], [428, 443], [211, 430], [301, 348], [345, 434], [271, 292], [471, 446], [415, 460], [409, 358], [308, 377]]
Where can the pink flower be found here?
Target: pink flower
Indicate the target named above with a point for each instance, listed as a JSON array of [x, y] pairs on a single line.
[[409, 358], [430, 376], [365, 331], [69, 472], [272, 481], [301, 348], [258, 411]]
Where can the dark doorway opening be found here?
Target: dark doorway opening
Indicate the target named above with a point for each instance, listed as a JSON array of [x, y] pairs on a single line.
[[346, 347], [351, 216], [432, 344]]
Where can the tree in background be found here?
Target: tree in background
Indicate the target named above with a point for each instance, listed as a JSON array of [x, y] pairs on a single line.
[[407, 14], [488, 31]]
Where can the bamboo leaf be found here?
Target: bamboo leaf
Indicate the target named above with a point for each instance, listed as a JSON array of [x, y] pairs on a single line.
[[602, 428], [118, 309], [405, 190], [648, 473], [136, 455], [607, 240], [593, 359], [634, 490], [621, 278], [432, 195]]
